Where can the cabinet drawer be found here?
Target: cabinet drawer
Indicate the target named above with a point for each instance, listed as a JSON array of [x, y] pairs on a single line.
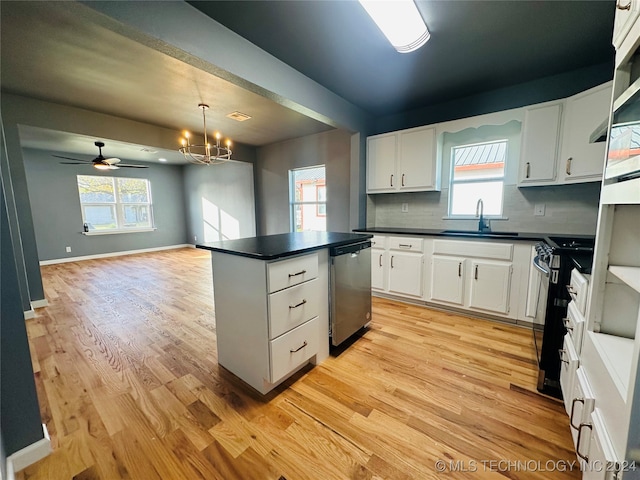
[[582, 404], [574, 322], [409, 244], [293, 306], [379, 241], [569, 363], [286, 273], [601, 462], [294, 348], [578, 286]]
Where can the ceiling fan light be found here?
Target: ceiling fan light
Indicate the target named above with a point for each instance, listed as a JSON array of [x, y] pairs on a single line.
[[400, 21], [102, 166]]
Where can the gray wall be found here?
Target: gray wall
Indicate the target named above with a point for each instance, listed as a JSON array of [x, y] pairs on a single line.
[[220, 200], [332, 149], [20, 421], [57, 218]]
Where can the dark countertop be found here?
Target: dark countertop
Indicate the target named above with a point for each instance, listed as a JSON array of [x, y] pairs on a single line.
[[271, 247], [457, 233]]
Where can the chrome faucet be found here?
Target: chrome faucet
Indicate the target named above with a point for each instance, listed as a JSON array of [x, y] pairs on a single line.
[[483, 225]]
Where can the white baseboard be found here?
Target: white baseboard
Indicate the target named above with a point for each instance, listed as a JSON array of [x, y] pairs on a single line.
[[29, 454], [112, 254], [29, 314], [39, 303]]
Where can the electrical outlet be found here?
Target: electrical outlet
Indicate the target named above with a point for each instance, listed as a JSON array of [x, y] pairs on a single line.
[[405, 207], [195, 238], [68, 249], [538, 210]]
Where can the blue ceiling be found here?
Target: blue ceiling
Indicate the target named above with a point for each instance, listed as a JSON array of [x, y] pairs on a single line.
[[475, 46]]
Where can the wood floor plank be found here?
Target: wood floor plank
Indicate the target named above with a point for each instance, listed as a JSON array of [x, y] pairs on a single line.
[[129, 388]]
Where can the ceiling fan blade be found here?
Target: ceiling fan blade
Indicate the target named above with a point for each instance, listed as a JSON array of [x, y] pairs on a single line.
[[75, 159], [75, 163], [132, 166], [111, 161]]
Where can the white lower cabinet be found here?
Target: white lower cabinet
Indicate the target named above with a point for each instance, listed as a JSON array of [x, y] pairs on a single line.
[[582, 404], [490, 285], [405, 273], [597, 457], [397, 266], [447, 279]]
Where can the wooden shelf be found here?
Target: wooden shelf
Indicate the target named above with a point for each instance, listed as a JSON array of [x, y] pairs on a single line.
[[617, 355], [629, 275]]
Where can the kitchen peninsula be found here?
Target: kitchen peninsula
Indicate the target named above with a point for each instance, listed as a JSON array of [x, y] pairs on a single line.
[[271, 297]]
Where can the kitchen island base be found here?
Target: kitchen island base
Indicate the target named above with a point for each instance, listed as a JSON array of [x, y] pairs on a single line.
[[272, 317]]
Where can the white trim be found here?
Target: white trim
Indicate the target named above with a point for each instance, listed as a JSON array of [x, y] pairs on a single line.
[[112, 254], [29, 314], [91, 233], [29, 454], [39, 303]]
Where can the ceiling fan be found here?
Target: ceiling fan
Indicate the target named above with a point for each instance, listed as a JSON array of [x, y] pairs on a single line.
[[100, 162]]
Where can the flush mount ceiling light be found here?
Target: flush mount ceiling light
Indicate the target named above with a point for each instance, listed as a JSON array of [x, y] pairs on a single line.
[[205, 154], [400, 21]]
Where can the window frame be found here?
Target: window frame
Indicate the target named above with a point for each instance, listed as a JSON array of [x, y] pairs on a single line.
[[472, 180], [293, 203], [118, 207]]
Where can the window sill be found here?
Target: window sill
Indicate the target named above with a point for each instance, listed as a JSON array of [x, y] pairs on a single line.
[[115, 232], [471, 217]]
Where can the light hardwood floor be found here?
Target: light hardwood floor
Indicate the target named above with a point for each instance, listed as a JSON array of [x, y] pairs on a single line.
[[129, 387]]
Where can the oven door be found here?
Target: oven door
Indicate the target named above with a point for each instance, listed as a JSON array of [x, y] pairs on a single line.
[[541, 305]]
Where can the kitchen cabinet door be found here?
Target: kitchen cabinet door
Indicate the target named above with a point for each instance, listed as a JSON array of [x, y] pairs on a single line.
[[490, 285], [417, 160], [378, 268], [626, 14], [539, 151], [601, 462], [405, 273], [381, 163], [582, 160], [447, 279]]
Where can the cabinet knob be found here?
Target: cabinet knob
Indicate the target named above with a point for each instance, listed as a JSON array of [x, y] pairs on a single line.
[[619, 6]]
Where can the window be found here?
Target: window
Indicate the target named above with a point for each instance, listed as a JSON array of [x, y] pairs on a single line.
[[308, 199], [111, 204], [477, 172]]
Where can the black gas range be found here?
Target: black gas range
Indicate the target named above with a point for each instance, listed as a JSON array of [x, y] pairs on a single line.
[[555, 257]]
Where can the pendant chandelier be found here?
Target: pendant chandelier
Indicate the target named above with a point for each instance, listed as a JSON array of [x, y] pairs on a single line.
[[205, 154]]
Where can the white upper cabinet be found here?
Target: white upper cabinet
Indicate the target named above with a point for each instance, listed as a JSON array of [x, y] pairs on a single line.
[[626, 13], [556, 147], [581, 159], [381, 162], [403, 161], [539, 152]]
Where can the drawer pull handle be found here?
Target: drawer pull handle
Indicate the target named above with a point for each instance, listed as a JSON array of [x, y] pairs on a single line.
[[380, 261], [403, 179], [391, 261], [583, 457], [405, 245], [573, 404], [528, 174], [476, 273], [562, 352], [569, 165], [391, 180], [567, 324], [296, 274], [459, 269], [304, 344], [619, 6], [298, 305], [571, 290]]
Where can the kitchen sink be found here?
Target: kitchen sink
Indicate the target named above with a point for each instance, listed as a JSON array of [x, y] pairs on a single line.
[[482, 234]]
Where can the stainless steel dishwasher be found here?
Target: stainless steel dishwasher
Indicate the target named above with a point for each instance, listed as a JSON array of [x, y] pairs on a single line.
[[350, 302]]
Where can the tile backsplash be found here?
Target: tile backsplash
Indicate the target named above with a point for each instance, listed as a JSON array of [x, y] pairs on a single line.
[[571, 209]]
